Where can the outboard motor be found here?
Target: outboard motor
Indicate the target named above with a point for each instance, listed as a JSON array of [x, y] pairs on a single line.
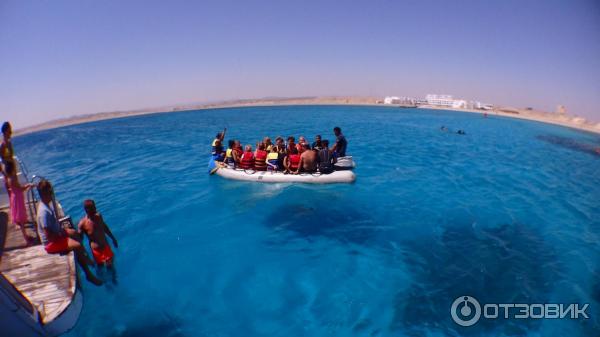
[[345, 163]]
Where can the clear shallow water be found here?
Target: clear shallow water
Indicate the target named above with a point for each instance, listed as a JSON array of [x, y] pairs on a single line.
[[508, 213]]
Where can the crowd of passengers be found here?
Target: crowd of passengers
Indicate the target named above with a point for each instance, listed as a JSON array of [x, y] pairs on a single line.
[[287, 157]]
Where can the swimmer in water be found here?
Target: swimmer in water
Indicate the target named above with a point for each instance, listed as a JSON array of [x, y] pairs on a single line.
[[461, 132]]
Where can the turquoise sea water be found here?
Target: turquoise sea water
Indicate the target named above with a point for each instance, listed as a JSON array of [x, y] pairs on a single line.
[[508, 213]]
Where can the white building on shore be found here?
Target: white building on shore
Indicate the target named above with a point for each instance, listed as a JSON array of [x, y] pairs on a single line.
[[445, 101], [391, 100], [399, 100]]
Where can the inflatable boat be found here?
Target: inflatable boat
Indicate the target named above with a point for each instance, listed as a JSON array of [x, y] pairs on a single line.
[[344, 176]]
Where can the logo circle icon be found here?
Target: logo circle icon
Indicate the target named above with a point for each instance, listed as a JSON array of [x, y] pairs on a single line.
[[465, 311]]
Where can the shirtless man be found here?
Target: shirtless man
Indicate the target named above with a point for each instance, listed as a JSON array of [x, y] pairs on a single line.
[[308, 160], [93, 225], [57, 239]]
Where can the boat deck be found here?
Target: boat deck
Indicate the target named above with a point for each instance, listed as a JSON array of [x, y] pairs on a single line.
[[48, 281]]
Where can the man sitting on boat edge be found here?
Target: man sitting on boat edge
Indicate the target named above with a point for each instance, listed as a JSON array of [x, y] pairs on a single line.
[[57, 240]]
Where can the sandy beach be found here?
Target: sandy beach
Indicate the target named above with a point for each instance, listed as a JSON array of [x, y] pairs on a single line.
[[534, 115]]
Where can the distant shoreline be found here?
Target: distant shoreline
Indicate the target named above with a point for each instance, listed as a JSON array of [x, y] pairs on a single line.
[[539, 116]]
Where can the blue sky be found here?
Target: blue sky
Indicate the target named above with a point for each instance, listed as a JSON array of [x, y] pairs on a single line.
[[63, 58]]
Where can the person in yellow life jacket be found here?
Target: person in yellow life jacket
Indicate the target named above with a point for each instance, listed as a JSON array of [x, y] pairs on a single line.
[[229, 159], [273, 159], [217, 146]]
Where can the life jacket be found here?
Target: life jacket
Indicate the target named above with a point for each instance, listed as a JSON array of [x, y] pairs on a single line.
[[229, 156], [273, 156], [301, 149], [247, 161], [294, 161], [260, 160], [216, 149], [239, 153]]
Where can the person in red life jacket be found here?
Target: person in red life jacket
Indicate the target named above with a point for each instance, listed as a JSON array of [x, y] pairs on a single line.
[[247, 162], [237, 153], [260, 158], [292, 161], [291, 144], [94, 227]]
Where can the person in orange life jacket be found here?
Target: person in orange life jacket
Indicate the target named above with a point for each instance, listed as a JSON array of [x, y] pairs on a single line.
[[260, 158], [292, 161], [237, 153], [247, 162]]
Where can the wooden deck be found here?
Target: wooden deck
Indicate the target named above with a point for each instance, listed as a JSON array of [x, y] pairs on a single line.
[[48, 281]]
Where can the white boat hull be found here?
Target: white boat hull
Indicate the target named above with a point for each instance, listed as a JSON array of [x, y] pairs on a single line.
[[278, 177]]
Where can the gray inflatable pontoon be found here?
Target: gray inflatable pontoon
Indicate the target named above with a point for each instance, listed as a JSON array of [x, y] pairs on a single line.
[[346, 176]]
